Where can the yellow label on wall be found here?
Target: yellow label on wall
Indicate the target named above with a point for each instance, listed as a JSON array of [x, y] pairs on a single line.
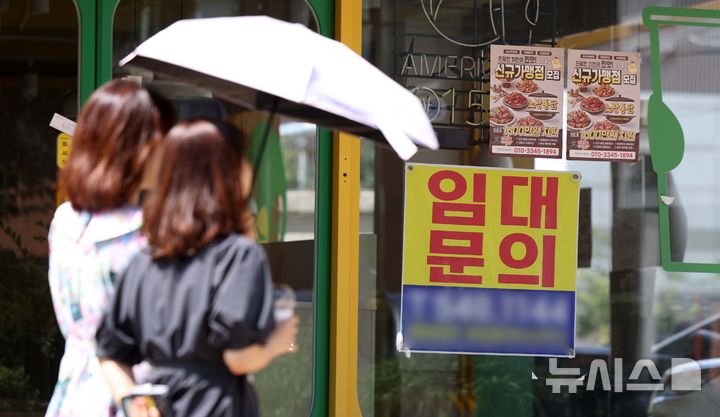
[[64, 145], [490, 228]]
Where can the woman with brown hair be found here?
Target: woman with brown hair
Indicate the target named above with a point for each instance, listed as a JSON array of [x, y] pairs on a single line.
[[197, 304], [93, 236]]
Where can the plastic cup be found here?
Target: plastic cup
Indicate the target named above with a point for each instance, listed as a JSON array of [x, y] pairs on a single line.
[[283, 302]]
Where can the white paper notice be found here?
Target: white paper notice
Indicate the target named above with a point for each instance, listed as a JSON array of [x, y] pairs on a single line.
[[63, 124]]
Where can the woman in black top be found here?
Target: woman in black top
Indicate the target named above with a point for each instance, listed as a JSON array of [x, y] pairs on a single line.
[[197, 303]]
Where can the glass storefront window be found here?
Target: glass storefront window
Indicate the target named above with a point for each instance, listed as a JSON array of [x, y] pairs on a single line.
[[628, 307], [690, 94], [283, 197], [38, 77]]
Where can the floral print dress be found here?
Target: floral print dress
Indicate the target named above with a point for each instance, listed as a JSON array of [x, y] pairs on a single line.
[[87, 252]]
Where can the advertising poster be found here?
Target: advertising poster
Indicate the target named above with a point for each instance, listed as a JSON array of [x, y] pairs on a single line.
[[526, 101], [489, 261], [603, 119]]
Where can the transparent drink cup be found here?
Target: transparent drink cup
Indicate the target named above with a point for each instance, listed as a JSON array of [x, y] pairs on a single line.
[[283, 302], [284, 305]]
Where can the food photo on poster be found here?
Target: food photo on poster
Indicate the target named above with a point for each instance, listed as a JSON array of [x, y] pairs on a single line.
[[526, 101]]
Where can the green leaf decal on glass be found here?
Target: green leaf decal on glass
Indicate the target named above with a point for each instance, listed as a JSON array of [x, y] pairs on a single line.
[[667, 142]]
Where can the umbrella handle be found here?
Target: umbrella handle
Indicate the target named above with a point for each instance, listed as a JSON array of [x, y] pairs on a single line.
[[263, 143]]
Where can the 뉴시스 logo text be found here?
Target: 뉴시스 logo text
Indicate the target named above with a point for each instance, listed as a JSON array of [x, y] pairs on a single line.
[[684, 375]]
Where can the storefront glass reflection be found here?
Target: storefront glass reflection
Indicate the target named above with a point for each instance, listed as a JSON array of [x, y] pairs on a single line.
[[38, 77], [628, 307]]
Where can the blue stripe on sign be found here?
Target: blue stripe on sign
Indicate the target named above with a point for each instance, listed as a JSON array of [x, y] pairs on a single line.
[[488, 320]]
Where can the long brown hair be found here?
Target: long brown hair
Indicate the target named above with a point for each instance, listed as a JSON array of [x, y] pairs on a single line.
[[116, 131], [199, 196]]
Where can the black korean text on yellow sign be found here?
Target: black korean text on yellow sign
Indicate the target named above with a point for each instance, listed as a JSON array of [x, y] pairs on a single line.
[[64, 146]]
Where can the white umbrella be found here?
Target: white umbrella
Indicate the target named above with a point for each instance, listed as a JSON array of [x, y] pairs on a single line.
[[263, 63]]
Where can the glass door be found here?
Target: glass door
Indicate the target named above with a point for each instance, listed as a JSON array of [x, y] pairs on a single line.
[[38, 77], [288, 198]]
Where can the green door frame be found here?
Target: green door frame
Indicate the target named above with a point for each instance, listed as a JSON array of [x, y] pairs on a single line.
[[325, 10], [87, 10], [96, 23]]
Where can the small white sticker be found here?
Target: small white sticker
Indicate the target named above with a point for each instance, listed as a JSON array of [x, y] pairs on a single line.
[[63, 124]]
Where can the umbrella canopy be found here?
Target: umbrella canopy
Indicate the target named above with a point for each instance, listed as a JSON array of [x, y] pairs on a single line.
[[263, 63]]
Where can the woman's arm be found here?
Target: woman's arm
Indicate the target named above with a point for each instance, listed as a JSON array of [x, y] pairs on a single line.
[[118, 376], [257, 356]]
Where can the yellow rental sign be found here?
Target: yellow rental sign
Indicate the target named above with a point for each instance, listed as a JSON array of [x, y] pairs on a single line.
[[489, 260], [490, 228]]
